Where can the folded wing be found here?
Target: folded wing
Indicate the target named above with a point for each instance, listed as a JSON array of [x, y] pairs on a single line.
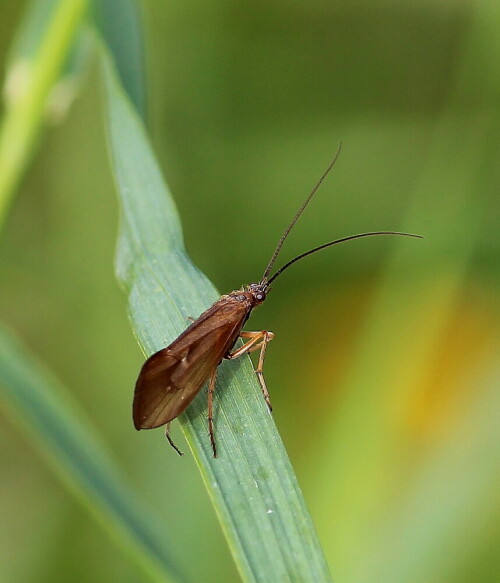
[[170, 379]]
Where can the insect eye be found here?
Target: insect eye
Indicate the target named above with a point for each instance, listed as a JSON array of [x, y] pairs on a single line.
[[260, 296]]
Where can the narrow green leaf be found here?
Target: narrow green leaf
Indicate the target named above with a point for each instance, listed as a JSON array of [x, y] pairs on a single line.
[[119, 22], [29, 83], [251, 483], [31, 29], [27, 43], [60, 431]]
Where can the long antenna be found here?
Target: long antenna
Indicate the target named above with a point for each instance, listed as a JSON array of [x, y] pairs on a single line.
[[300, 211], [302, 255]]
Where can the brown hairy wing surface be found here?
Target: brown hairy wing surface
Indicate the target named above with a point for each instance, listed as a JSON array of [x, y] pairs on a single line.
[[170, 379]]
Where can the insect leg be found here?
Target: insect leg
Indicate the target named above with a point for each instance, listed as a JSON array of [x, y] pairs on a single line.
[[260, 366], [170, 440], [211, 387], [255, 342], [258, 340]]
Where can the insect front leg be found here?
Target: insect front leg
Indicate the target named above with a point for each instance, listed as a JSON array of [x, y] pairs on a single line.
[[257, 341]]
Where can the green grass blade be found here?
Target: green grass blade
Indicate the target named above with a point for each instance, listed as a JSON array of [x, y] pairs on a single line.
[[252, 484], [29, 84], [119, 23], [30, 32], [28, 41], [45, 410]]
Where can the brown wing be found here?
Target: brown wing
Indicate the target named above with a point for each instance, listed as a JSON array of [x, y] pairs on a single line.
[[170, 378]]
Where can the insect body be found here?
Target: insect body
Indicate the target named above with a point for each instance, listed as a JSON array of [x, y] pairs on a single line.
[[171, 378]]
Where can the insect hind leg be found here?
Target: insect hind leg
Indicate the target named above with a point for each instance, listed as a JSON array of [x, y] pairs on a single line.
[[170, 440]]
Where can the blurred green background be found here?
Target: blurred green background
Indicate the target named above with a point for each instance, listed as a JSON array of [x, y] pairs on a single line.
[[384, 370]]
